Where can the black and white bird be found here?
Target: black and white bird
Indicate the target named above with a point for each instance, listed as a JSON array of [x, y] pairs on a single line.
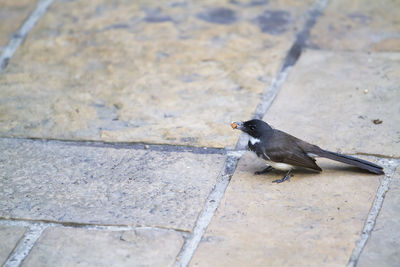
[[283, 151]]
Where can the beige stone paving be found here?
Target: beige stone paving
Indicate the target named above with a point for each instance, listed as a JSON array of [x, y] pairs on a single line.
[[13, 13], [81, 247], [356, 25], [9, 237], [179, 73], [313, 220], [146, 71], [332, 98]]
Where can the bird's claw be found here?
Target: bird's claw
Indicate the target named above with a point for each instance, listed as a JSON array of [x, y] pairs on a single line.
[[286, 178]]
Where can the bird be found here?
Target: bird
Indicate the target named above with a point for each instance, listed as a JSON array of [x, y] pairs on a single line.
[[283, 151]]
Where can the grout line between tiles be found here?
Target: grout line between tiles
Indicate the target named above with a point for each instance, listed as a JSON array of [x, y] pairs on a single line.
[[127, 145], [21, 34], [291, 58], [25, 245], [391, 165], [211, 205], [110, 227]]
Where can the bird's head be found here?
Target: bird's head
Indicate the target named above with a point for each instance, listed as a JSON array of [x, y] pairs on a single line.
[[254, 128]]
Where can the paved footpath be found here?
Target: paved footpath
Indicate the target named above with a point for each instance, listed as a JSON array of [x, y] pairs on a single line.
[[115, 139]]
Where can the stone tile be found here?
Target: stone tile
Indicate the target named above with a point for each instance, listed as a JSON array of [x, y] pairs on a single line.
[[9, 237], [149, 71], [73, 247], [61, 182], [13, 14], [382, 248], [332, 99], [312, 220], [358, 25]]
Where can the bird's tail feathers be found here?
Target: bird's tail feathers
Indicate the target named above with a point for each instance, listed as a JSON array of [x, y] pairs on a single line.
[[363, 164]]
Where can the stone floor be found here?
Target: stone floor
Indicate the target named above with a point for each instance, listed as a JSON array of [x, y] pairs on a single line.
[[115, 139]]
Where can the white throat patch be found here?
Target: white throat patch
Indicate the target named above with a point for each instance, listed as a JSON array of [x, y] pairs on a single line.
[[254, 140]]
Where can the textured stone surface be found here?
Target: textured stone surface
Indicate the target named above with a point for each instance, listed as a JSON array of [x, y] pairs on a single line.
[[382, 248], [367, 25], [151, 71], [12, 15], [81, 247], [9, 237], [83, 184], [332, 99], [312, 220]]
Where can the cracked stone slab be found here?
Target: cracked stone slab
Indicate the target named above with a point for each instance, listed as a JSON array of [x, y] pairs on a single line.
[[148, 71], [366, 25], [74, 246], [62, 182], [9, 238], [312, 220], [342, 101], [382, 248], [13, 14]]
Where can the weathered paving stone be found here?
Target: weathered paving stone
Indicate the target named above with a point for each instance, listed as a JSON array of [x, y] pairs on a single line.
[[149, 71], [333, 98], [12, 15], [9, 237], [312, 220], [81, 247], [382, 248], [101, 185], [358, 25]]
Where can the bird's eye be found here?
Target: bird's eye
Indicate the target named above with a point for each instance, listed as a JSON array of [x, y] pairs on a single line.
[[252, 128]]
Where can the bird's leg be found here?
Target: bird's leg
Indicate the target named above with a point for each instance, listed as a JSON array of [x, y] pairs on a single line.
[[286, 177], [267, 169]]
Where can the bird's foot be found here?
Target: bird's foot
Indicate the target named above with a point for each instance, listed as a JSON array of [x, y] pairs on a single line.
[[267, 169], [285, 178]]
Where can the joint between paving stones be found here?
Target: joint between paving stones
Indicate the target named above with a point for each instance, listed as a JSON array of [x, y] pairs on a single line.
[[214, 198], [21, 34], [290, 60], [130, 145], [369, 225], [25, 245], [111, 227], [302, 37]]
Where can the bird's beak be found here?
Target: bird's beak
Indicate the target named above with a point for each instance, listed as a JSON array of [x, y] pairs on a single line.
[[237, 125]]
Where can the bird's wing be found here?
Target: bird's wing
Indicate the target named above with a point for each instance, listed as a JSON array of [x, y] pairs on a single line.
[[285, 148], [299, 160]]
